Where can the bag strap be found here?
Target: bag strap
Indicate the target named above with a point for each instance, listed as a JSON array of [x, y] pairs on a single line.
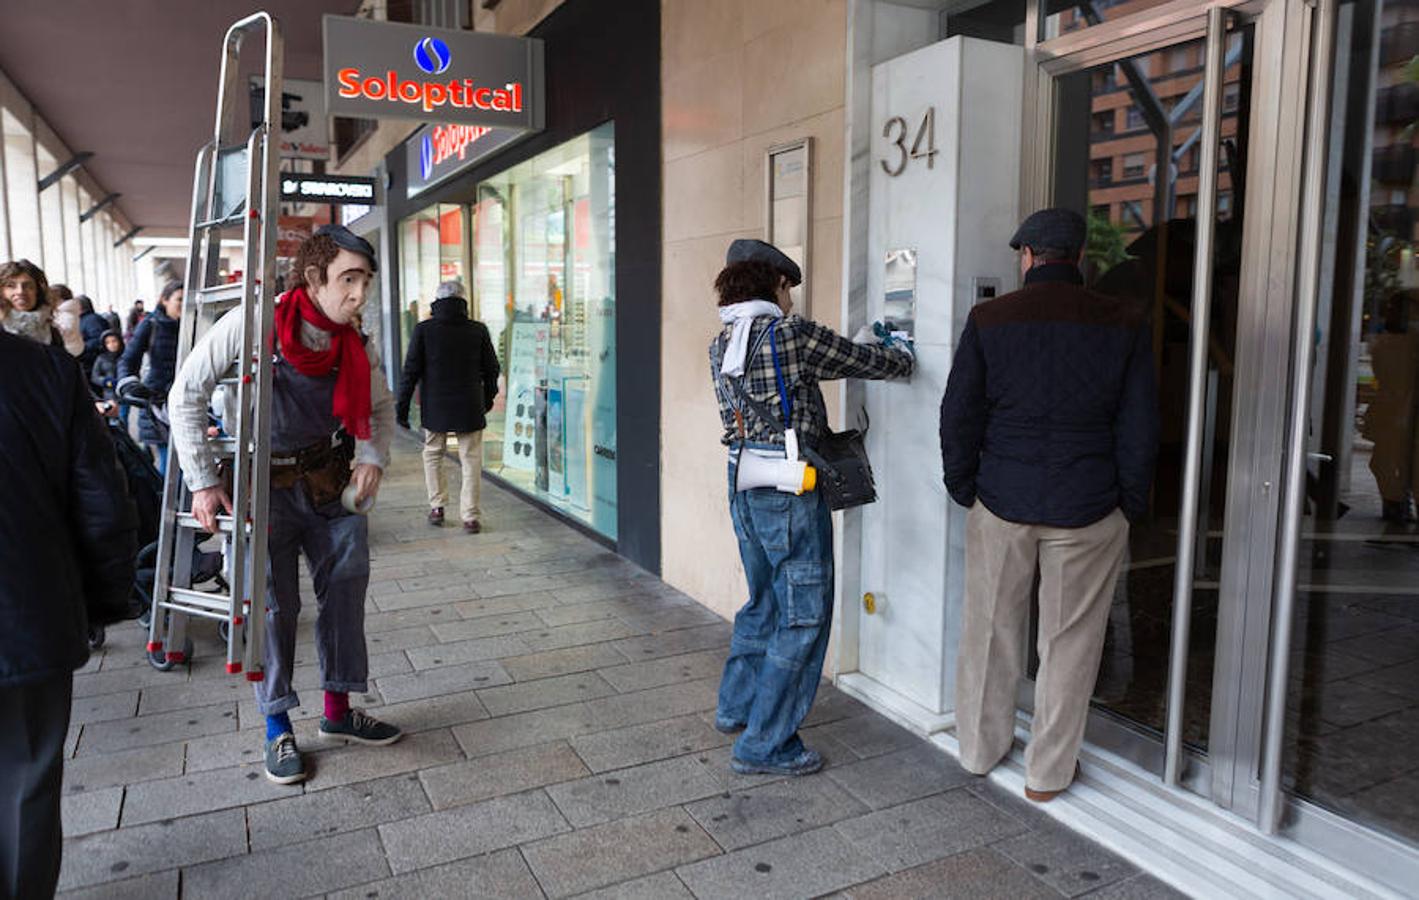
[[785, 401], [737, 384]]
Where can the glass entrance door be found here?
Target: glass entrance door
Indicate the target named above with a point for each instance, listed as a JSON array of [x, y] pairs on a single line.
[[1128, 152]]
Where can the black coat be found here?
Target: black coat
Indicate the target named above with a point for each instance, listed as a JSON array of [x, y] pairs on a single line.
[[155, 336], [453, 356], [92, 326], [67, 528], [104, 376], [1050, 415]]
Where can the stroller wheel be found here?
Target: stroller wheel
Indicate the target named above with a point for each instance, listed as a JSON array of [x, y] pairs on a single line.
[[224, 630], [97, 635], [146, 619]]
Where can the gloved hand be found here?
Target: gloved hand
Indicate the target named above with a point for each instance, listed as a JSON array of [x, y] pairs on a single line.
[[134, 391], [890, 341]]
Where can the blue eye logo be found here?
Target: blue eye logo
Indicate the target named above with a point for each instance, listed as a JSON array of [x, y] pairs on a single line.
[[426, 157], [432, 55]]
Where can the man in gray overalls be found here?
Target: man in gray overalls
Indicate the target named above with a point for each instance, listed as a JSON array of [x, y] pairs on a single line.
[[329, 407]]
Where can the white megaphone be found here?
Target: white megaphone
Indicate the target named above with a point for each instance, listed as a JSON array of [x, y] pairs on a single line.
[[765, 468]]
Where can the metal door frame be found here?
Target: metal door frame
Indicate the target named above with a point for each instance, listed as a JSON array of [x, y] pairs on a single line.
[[1274, 168], [1286, 165]]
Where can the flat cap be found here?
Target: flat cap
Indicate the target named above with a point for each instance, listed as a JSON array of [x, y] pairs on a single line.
[[1055, 229], [450, 289], [750, 250], [346, 239]]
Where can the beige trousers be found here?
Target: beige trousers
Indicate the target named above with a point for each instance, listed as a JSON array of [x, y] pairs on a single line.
[[1078, 569], [470, 455]]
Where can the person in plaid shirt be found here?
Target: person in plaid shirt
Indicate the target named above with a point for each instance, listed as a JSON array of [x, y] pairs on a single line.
[[785, 540]]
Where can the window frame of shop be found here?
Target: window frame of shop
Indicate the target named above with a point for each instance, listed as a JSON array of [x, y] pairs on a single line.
[[602, 65]]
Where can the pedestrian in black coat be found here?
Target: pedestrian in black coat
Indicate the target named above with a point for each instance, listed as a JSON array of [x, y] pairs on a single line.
[[92, 326], [67, 546], [156, 336], [453, 356]]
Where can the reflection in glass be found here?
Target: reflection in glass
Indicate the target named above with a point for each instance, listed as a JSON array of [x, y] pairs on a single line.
[[1353, 699], [543, 280], [1126, 159]]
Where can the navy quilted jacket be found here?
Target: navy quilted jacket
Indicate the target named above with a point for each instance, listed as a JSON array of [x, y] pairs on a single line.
[[1050, 415]]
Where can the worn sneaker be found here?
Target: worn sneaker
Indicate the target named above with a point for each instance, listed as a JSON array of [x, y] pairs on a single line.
[[360, 729], [725, 726], [436, 516], [472, 526], [805, 763], [283, 760]]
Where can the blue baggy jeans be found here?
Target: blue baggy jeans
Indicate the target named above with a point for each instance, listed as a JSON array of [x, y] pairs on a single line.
[[781, 633]]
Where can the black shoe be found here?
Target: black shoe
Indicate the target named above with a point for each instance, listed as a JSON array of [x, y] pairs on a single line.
[[359, 728], [283, 760], [436, 517], [724, 726]]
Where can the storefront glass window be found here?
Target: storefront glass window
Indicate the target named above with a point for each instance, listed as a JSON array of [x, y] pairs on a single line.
[[543, 282], [432, 250]]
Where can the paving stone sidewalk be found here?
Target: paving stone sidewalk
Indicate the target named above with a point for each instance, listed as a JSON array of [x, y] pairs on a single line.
[[558, 705]]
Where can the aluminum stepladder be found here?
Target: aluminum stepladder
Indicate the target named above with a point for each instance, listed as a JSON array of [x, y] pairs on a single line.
[[235, 191]]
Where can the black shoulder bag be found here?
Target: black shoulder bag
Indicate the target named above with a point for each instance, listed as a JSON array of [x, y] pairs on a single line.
[[844, 471]]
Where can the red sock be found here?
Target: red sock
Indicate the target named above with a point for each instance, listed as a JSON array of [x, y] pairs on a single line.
[[337, 705]]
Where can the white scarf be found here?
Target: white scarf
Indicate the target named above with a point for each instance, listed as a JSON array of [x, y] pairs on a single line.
[[32, 323], [742, 316]]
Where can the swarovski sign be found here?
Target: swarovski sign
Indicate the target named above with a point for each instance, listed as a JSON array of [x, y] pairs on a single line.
[[387, 70], [339, 189]]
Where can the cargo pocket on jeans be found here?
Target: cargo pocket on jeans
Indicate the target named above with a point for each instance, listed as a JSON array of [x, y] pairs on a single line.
[[809, 593]]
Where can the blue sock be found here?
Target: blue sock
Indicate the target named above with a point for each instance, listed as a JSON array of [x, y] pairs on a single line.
[[277, 725]]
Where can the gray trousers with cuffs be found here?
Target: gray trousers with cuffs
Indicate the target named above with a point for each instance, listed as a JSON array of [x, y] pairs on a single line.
[[336, 547]]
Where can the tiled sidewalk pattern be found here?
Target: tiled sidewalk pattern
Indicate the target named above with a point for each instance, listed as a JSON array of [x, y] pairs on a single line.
[[558, 704]]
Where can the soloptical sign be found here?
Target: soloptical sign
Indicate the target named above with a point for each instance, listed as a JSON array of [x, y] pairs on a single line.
[[437, 151], [385, 70]]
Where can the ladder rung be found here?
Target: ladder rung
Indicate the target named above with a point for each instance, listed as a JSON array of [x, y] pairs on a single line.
[[188, 520], [221, 615], [223, 446], [222, 293], [202, 599]]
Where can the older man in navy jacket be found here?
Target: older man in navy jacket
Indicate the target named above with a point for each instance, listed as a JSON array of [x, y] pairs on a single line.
[[1049, 432]]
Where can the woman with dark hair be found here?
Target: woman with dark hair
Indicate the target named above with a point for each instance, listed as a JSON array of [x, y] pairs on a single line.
[[135, 317], [776, 360], [155, 337]]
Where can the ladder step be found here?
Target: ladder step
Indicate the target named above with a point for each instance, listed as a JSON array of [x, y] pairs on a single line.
[[201, 599], [188, 520], [222, 293], [221, 615]]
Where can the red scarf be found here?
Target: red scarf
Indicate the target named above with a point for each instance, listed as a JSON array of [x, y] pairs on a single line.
[[347, 352]]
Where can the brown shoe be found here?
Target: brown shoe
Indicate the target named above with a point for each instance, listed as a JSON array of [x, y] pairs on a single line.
[[436, 516], [1047, 796], [472, 527]]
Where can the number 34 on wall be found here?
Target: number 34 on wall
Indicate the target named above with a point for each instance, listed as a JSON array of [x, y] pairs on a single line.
[[925, 134]]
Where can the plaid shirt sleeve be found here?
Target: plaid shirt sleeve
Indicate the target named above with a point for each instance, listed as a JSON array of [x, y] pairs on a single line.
[[808, 353]]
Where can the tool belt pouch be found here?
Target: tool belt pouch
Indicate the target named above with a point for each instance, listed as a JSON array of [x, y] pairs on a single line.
[[328, 473]]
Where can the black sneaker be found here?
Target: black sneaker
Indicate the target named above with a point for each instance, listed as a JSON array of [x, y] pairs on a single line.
[[283, 760], [725, 726], [360, 729], [805, 763]]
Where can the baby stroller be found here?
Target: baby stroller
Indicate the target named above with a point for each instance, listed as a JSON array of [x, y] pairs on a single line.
[[145, 487]]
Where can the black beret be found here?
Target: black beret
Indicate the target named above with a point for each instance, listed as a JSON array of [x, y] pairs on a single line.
[[750, 250], [1055, 229], [346, 239]]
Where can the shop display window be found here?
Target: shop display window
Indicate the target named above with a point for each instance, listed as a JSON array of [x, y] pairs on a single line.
[[432, 250], [541, 240], [544, 257]]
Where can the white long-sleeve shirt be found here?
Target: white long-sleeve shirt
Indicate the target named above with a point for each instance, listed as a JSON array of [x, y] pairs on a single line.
[[214, 358]]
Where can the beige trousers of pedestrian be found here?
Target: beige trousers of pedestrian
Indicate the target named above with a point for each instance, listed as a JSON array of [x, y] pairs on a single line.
[[470, 456], [1078, 569]]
